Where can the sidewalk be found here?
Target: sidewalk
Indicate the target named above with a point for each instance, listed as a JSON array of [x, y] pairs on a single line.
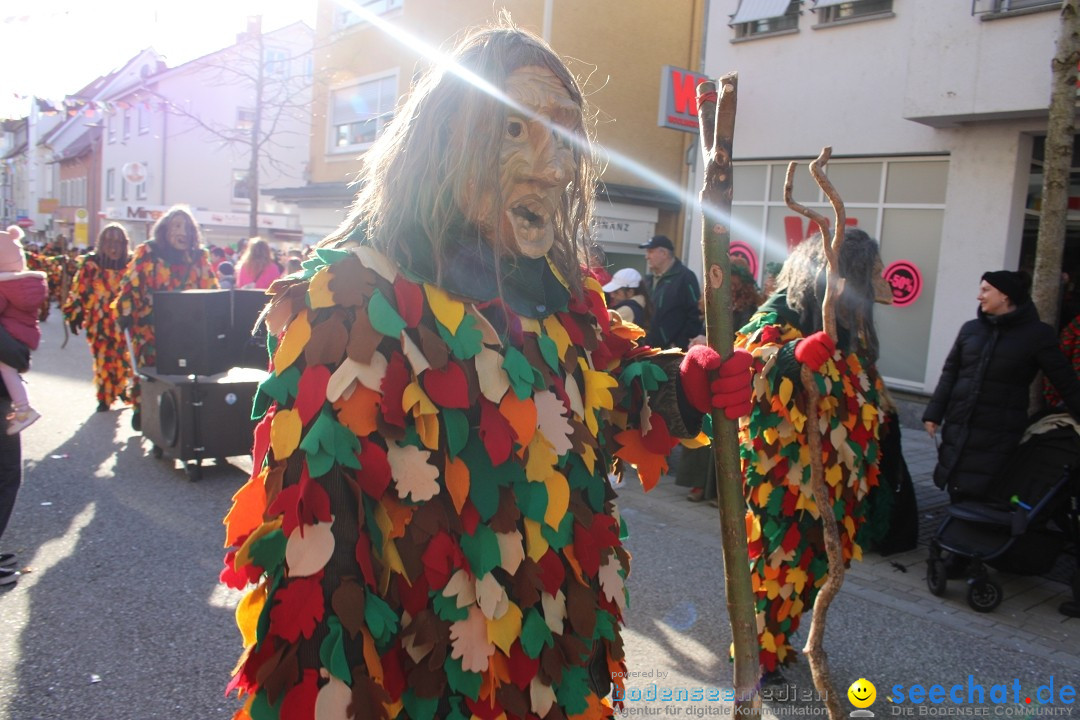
[[1028, 617]]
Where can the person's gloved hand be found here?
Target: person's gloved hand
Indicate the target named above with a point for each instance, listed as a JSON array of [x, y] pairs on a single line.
[[710, 382], [813, 351], [74, 326], [125, 323]]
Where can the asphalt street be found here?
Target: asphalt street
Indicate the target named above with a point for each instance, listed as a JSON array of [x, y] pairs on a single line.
[[119, 615]]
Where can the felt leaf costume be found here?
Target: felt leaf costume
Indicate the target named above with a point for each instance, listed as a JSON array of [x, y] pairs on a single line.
[[786, 543], [93, 289], [465, 557], [147, 272]]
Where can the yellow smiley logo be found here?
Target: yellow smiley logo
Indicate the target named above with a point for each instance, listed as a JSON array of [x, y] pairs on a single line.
[[862, 693]]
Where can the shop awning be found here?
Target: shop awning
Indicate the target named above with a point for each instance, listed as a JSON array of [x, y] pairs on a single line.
[[754, 10], [830, 3]]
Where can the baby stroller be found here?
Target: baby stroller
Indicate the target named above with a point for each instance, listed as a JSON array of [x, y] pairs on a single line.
[[1029, 515]]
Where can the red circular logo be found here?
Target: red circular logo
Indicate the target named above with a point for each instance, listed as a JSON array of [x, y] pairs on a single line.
[[744, 251], [905, 280]]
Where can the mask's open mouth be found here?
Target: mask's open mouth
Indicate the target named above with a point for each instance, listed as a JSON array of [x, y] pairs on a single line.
[[527, 217], [531, 225]]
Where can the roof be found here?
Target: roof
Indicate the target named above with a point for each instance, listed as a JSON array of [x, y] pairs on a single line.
[[19, 149], [82, 144]]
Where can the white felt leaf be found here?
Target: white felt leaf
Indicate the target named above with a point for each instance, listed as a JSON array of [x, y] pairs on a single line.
[[611, 582], [494, 382], [413, 354], [487, 331], [511, 551], [468, 638], [554, 611], [541, 696], [413, 476], [573, 392], [309, 549], [462, 585], [552, 423], [372, 374], [343, 380], [333, 701], [491, 597]]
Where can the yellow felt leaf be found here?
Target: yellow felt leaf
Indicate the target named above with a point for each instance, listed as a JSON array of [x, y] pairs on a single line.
[[530, 325], [541, 461], [786, 387], [285, 431], [833, 475], [753, 527], [770, 435], [797, 577], [248, 611], [446, 309], [296, 338], [319, 294], [506, 629], [589, 457], [246, 513], [427, 427], [557, 332], [243, 554], [597, 395], [535, 544], [558, 498], [456, 477], [768, 642], [415, 397]]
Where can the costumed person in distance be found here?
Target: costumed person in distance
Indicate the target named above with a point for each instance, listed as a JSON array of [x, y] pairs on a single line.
[[21, 293], [786, 538], [172, 259], [429, 525], [88, 306]]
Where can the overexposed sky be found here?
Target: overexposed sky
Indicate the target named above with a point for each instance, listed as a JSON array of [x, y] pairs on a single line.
[[50, 48]]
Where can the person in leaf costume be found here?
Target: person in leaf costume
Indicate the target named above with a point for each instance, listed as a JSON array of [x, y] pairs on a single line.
[[95, 285], [785, 535], [429, 526], [172, 259]]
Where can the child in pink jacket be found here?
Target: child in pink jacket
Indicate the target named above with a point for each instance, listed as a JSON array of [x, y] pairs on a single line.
[[21, 293]]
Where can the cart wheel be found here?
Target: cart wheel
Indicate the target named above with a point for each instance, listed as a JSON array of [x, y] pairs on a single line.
[[937, 576], [983, 595], [194, 471], [157, 452]]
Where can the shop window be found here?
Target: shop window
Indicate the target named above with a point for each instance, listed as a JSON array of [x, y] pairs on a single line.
[[358, 113], [754, 18], [241, 186], [144, 118], [836, 11]]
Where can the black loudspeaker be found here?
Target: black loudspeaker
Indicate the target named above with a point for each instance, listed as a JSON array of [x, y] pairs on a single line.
[[199, 418], [192, 329], [248, 348]]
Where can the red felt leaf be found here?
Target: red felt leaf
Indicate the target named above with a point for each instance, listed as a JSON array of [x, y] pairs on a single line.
[[262, 440], [414, 597], [470, 518], [485, 709], [285, 504], [441, 557], [393, 675], [552, 572], [495, 432], [238, 578], [589, 543], [410, 300], [393, 386], [298, 608], [299, 702], [363, 559], [448, 387], [658, 440], [522, 667], [598, 309], [311, 392], [572, 328], [602, 359], [246, 679], [791, 538], [314, 502], [374, 474]]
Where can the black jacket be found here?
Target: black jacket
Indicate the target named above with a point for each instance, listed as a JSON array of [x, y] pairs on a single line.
[[983, 394], [676, 316]]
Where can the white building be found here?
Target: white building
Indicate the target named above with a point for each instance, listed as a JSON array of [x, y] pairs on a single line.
[[184, 136], [936, 111]]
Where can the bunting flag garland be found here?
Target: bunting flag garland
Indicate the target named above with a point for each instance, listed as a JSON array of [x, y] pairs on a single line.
[[429, 527], [786, 546]]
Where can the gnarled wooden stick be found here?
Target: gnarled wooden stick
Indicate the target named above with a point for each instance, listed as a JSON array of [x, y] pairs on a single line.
[[716, 116], [814, 648]]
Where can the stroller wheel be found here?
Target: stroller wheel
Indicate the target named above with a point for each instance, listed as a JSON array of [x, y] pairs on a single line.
[[937, 576], [983, 595]]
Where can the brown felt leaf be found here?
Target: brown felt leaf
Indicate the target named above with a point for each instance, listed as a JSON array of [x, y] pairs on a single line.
[[351, 282], [581, 608], [435, 349], [427, 683], [348, 604], [368, 697], [282, 676], [552, 663], [275, 476], [363, 339], [506, 516], [389, 431], [418, 638], [531, 349], [573, 649], [526, 584], [427, 521], [512, 700], [328, 341], [412, 556]]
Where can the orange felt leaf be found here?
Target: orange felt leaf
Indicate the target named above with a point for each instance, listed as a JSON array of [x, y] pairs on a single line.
[[521, 414], [568, 553], [249, 503], [597, 710], [650, 466], [399, 514], [358, 412], [496, 675], [371, 657], [456, 477]]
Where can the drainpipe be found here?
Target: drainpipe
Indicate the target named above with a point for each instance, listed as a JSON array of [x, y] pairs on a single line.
[[690, 143], [549, 10]]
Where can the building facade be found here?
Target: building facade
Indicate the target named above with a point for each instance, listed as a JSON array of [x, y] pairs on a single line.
[[936, 113]]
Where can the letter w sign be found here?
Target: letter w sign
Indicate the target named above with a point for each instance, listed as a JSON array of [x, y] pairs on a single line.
[[678, 98]]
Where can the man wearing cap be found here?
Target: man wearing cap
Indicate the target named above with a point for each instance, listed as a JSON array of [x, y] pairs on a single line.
[[981, 400], [675, 293], [628, 297]]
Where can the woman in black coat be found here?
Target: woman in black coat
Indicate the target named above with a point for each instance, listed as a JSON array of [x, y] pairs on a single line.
[[983, 394]]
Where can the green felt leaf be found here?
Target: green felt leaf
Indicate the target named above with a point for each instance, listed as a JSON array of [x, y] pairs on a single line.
[[372, 528], [467, 342], [531, 499], [648, 373], [383, 316], [522, 375], [535, 634], [261, 709], [456, 712], [419, 708], [277, 388], [268, 552], [549, 350], [456, 426], [346, 446], [624, 532], [262, 627], [577, 475], [572, 690], [320, 444], [446, 608], [482, 550], [605, 626], [271, 344], [380, 618], [775, 502], [329, 256], [332, 651], [561, 537], [465, 682]]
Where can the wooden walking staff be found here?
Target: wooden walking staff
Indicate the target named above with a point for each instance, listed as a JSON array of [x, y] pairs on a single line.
[[716, 116], [834, 285]]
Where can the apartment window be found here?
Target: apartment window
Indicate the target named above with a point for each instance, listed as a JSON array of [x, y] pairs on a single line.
[[140, 187], [1014, 5], [127, 123], [64, 190], [144, 119], [245, 119], [241, 187], [275, 62], [765, 17], [110, 127], [110, 184], [347, 18], [359, 112], [832, 11], [123, 188]]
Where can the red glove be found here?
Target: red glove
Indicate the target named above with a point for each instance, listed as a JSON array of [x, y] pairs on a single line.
[[709, 382], [815, 350]]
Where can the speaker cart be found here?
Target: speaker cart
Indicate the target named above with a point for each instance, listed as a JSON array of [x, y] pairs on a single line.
[[191, 418]]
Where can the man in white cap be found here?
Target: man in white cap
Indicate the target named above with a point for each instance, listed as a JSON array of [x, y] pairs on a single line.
[[675, 295]]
